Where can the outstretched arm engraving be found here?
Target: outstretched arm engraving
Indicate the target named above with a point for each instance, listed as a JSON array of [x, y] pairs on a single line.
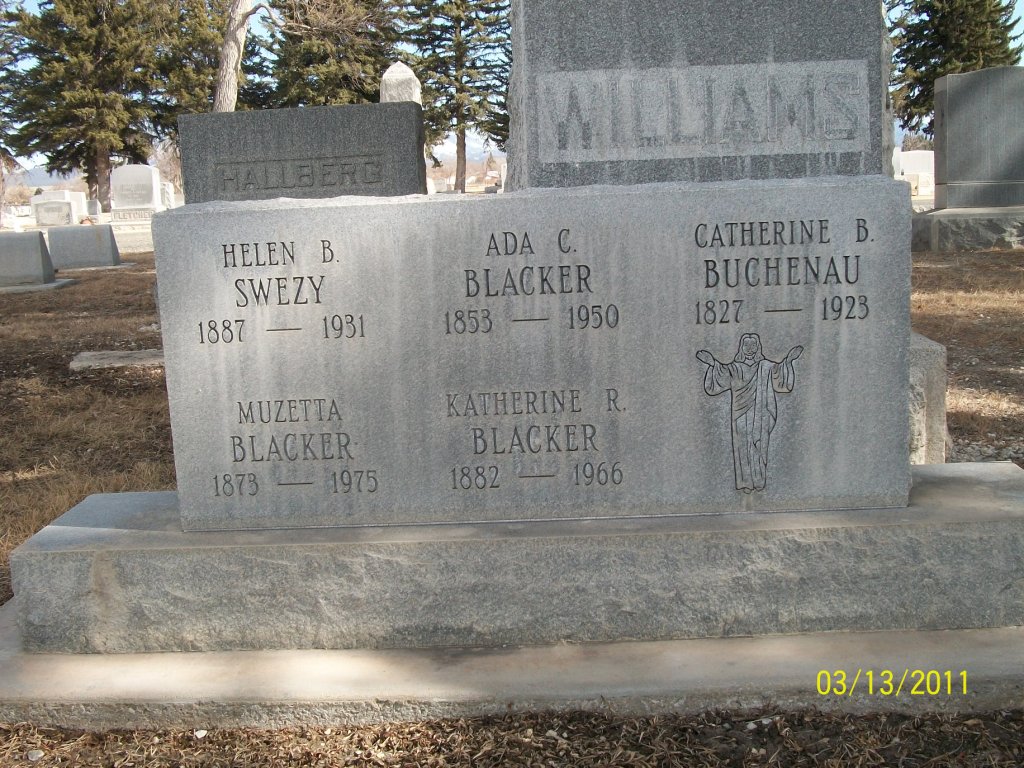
[[706, 357]]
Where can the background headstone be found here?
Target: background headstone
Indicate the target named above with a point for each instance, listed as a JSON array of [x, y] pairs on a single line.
[[309, 152], [400, 84], [682, 90], [57, 215], [979, 139], [24, 259], [918, 167], [135, 193], [53, 213], [82, 246]]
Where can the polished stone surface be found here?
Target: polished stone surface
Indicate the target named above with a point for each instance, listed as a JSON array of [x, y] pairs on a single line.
[[679, 90], [82, 246], [979, 139], [308, 152], [24, 259]]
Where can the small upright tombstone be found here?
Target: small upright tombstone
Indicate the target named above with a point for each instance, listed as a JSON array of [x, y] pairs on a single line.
[[979, 139], [650, 91], [56, 207], [400, 84], [135, 193], [81, 247], [53, 213]]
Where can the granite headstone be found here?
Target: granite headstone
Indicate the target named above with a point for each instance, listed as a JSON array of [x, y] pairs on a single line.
[[82, 246], [556, 354], [684, 90], [979, 139], [135, 186], [24, 259], [309, 152], [53, 213], [56, 215]]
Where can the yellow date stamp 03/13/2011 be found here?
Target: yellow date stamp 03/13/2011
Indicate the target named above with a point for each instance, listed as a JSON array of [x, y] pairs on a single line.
[[889, 682]]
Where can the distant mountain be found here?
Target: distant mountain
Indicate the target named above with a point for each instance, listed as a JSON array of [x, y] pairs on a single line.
[[475, 149], [38, 177]]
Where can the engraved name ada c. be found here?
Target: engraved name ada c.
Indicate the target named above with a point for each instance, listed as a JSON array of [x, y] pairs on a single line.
[[753, 382]]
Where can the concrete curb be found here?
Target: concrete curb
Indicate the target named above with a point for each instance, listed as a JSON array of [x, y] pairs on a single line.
[[270, 689]]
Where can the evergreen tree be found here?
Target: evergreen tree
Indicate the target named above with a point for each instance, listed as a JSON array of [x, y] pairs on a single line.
[[87, 93], [189, 65], [944, 37], [457, 43], [8, 59], [316, 66], [339, 22], [495, 122]]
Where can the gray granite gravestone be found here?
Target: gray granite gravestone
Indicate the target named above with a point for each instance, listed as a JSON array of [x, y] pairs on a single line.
[[24, 259], [564, 354], [979, 139], [309, 152], [80, 246], [685, 90]]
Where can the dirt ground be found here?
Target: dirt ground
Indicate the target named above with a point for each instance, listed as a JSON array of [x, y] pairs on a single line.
[[787, 740], [65, 435]]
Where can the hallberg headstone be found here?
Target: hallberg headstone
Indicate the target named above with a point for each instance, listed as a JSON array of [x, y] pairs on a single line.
[[82, 246], [24, 259], [979, 139], [685, 90], [309, 152]]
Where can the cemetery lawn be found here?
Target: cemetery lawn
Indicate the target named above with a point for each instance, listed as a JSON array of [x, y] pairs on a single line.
[[65, 435]]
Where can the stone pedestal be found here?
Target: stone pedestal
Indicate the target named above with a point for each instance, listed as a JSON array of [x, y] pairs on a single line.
[[117, 575]]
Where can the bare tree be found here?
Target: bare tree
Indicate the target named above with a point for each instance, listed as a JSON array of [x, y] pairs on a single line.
[[343, 18]]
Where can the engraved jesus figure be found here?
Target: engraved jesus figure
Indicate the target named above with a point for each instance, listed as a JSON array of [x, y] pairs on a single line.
[[753, 382]]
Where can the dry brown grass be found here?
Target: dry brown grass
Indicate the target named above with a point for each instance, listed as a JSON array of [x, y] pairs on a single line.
[[64, 435], [578, 740], [974, 304]]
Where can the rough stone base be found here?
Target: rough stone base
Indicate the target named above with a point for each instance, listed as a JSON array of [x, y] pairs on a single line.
[[272, 689], [117, 575], [968, 229], [928, 432]]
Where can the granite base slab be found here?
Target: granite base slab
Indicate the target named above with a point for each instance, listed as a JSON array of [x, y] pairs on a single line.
[[117, 575], [33, 287], [276, 689], [950, 230]]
